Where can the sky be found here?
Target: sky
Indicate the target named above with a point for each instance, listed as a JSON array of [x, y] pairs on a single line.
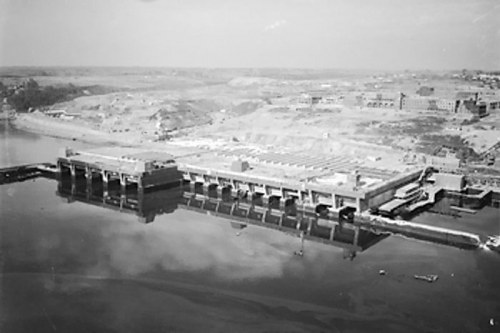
[[340, 34]]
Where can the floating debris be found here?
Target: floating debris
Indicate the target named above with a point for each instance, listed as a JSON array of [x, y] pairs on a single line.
[[493, 243], [299, 253], [382, 272], [429, 277]]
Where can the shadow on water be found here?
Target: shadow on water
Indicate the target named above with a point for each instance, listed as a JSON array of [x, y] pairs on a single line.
[[241, 212]]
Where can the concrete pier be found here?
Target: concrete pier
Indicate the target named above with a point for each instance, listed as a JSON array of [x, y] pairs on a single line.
[[420, 231], [143, 169]]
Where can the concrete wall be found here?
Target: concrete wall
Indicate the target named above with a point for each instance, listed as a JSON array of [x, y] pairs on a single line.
[[450, 181], [381, 198]]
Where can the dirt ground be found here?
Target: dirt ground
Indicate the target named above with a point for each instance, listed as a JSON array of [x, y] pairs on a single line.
[[210, 108]]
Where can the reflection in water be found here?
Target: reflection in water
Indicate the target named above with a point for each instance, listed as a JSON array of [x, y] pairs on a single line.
[[146, 205]]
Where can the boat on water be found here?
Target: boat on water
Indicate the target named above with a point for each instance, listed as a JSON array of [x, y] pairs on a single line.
[[493, 243], [429, 277]]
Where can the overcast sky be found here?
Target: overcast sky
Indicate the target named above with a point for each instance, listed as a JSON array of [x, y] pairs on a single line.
[[371, 34]]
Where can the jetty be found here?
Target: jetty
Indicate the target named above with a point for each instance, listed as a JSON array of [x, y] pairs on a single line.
[[26, 172]]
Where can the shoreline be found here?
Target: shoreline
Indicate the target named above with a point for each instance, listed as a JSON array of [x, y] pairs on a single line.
[[67, 131]]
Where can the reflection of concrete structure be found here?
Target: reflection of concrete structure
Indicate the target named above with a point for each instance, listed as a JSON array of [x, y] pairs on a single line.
[[145, 205], [150, 204], [312, 227]]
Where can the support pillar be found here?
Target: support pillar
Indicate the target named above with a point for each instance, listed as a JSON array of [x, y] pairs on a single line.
[[123, 183], [206, 189], [233, 207], [299, 221], [220, 191], [88, 177], [140, 187], [72, 170], [283, 203], [332, 232], [312, 201], [192, 186], [309, 225], [356, 236], [264, 216], [105, 182]]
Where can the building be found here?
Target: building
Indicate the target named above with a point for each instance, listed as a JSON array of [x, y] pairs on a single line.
[[448, 163], [472, 107], [379, 100], [427, 103], [467, 96], [449, 182], [425, 91], [240, 166]]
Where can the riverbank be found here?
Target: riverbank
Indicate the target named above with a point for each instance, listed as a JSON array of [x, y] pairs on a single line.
[[65, 129]]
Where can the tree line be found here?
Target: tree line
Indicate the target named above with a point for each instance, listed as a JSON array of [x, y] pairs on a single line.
[[31, 95]]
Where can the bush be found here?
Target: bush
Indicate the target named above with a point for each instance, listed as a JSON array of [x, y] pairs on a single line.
[[31, 95]]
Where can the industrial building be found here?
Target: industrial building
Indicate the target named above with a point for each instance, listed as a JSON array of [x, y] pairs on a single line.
[[379, 100], [427, 103]]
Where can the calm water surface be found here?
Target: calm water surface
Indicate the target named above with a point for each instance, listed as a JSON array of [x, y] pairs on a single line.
[[75, 267]]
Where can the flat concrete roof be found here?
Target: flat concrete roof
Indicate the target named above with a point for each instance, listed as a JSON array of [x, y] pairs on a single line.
[[118, 153]]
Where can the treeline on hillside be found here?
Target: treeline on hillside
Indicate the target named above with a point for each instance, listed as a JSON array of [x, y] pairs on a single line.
[[31, 95]]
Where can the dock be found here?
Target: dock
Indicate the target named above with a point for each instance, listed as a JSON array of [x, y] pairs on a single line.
[[26, 172], [334, 189], [126, 176], [421, 231]]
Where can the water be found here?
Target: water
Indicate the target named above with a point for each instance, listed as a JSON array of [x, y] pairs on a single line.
[[77, 267]]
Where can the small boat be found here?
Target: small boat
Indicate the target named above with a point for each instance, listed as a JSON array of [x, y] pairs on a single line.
[[429, 277], [493, 243]]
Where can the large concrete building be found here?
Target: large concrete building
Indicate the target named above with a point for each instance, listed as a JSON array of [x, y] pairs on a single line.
[[427, 103], [379, 100]]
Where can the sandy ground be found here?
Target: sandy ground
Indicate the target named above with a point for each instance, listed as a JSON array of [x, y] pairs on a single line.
[[211, 111]]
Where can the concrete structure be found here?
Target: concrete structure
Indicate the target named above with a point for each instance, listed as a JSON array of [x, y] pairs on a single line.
[[335, 190], [380, 100], [427, 103], [126, 165], [449, 182], [240, 166], [425, 91], [307, 194], [448, 163]]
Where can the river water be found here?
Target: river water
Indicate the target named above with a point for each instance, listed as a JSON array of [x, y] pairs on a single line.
[[70, 266]]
